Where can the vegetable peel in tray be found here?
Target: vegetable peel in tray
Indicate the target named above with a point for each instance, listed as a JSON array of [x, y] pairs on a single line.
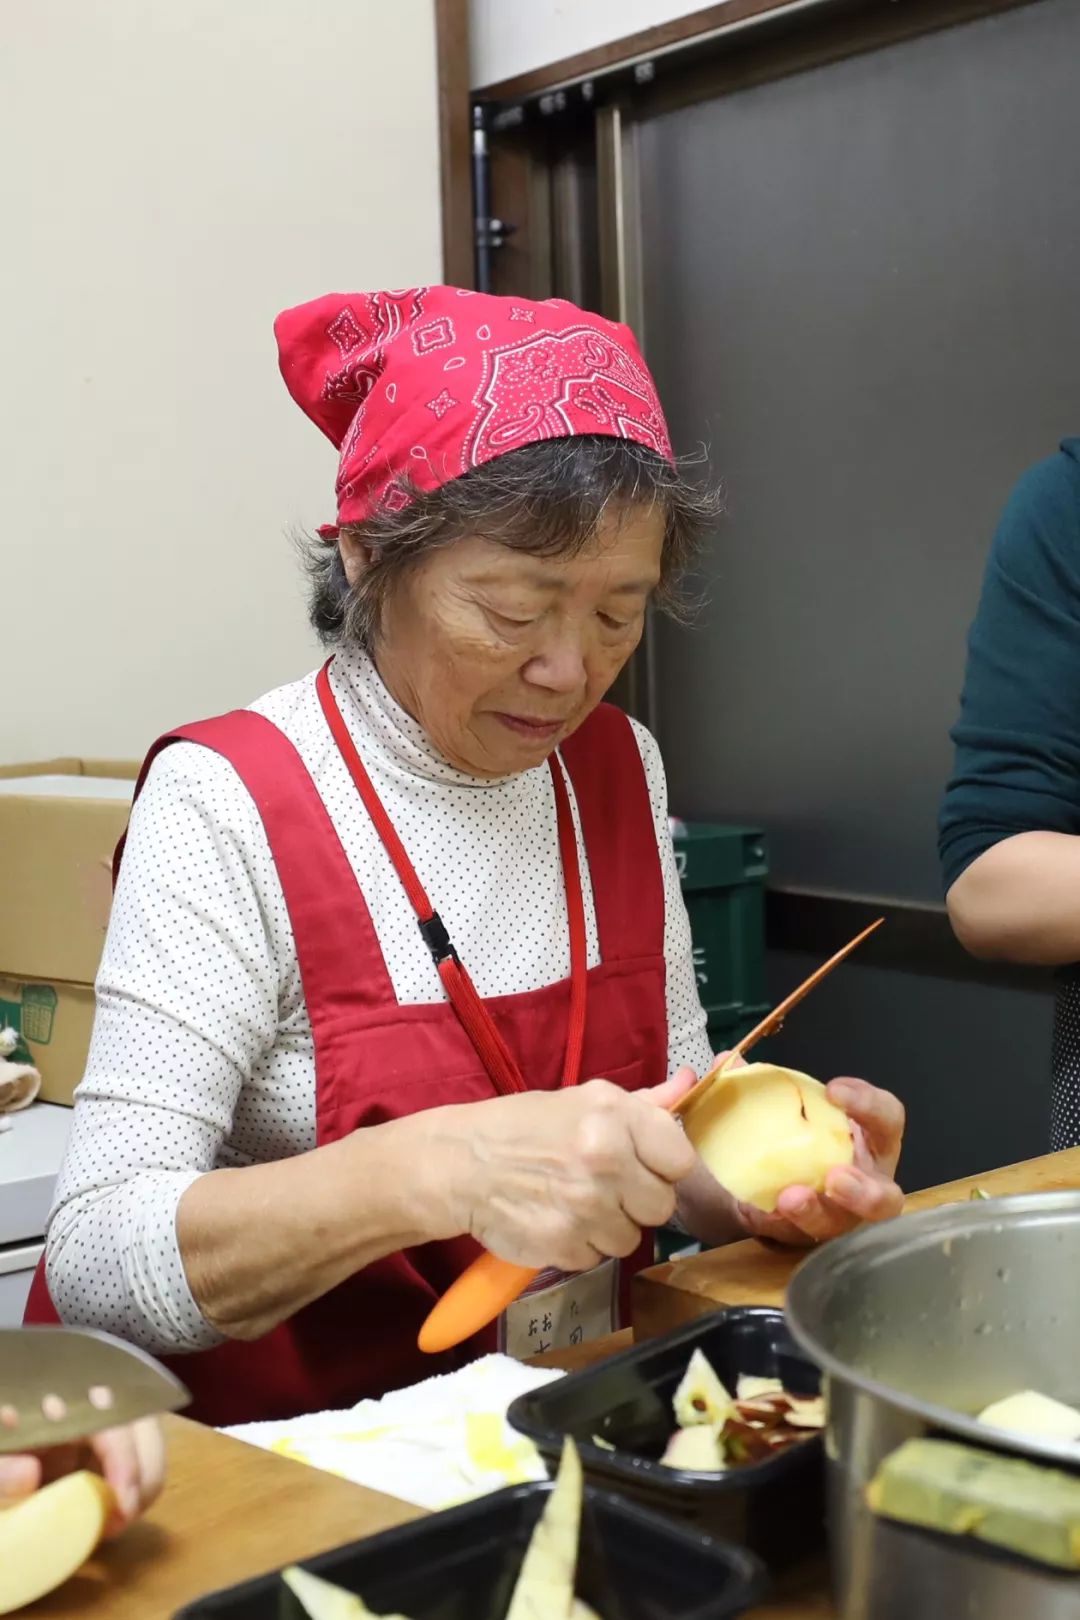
[[716, 1432]]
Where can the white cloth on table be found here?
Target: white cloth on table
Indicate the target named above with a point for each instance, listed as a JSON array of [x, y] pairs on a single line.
[[436, 1444]]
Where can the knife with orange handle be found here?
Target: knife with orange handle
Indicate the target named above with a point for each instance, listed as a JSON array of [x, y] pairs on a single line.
[[489, 1285]]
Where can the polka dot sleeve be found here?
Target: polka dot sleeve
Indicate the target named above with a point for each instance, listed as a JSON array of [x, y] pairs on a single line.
[[688, 1040], [170, 1052]]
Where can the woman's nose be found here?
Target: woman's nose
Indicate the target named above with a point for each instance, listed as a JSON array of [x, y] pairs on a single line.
[[560, 665]]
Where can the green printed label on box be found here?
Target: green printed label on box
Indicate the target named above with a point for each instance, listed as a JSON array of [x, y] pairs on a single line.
[[38, 1011]]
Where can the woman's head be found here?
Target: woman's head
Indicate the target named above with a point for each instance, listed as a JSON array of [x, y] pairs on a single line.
[[508, 504], [513, 594]]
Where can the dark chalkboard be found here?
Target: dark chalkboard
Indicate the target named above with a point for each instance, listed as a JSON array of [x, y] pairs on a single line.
[[862, 287]]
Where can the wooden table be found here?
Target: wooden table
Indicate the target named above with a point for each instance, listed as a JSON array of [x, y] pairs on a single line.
[[230, 1511], [748, 1274]]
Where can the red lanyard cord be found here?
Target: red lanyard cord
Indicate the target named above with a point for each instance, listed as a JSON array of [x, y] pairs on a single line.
[[474, 1017]]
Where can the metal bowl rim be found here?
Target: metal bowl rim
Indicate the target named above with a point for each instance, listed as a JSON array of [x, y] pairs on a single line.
[[867, 1243]]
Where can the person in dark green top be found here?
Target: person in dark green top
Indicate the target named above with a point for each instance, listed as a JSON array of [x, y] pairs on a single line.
[[1009, 832]]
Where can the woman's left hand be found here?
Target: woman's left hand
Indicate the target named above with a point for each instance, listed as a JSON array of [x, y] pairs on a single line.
[[863, 1191]]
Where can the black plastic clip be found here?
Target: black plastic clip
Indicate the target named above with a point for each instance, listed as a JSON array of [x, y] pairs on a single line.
[[437, 939]]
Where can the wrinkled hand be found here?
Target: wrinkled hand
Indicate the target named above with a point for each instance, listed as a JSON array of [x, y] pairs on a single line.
[[131, 1459], [863, 1191], [569, 1178]]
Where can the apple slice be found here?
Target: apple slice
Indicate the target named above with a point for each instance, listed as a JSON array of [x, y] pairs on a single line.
[[322, 1600], [697, 1450], [545, 1583], [761, 1128], [701, 1397], [1033, 1414], [752, 1388], [46, 1537]]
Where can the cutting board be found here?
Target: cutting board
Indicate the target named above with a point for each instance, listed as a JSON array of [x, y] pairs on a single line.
[[749, 1273]]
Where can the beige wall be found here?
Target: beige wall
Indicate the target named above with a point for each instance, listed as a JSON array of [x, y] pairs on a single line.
[[516, 36], [174, 173]]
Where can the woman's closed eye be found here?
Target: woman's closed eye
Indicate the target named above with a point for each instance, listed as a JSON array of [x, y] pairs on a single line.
[[611, 622], [508, 621]]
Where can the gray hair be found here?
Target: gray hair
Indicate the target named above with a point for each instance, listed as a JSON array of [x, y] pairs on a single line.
[[547, 499]]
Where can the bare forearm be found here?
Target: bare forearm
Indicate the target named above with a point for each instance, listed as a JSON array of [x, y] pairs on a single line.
[[260, 1243], [1020, 901]]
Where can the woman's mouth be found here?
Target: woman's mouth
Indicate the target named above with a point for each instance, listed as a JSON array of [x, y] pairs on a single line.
[[526, 726]]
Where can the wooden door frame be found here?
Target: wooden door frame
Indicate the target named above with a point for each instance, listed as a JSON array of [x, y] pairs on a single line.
[[455, 142]]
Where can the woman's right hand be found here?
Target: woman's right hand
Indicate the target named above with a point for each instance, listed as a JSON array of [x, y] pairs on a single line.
[[566, 1178]]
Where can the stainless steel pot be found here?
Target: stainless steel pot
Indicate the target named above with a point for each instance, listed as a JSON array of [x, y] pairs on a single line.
[[917, 1324]]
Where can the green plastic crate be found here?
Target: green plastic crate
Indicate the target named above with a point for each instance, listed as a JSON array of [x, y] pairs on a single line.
[[722, 871]]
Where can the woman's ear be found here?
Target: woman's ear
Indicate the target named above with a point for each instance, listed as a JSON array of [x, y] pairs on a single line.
[[355, 556]]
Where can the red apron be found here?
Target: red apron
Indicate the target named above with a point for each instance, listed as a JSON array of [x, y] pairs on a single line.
[[377, 1060]]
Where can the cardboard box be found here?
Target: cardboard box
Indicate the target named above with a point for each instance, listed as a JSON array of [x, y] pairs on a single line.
[[60, 821], [54, 1023], [57, 836]]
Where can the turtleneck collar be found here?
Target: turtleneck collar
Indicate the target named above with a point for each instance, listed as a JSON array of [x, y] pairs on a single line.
[[381, 726]]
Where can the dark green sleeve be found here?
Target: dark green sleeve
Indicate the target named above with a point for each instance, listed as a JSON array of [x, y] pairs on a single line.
[[1017, 766]]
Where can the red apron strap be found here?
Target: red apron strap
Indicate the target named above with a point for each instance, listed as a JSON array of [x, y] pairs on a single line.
[[575, 912], [341, 961], [477, 1022], [604, 764]]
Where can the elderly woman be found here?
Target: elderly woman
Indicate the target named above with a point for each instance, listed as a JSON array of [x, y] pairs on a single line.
[[398, 963]]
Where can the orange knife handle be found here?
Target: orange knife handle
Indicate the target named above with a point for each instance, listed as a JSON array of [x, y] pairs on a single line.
[[478, 1296]]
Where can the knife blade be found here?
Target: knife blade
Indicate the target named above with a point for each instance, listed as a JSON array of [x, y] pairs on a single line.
[[59, 1384]]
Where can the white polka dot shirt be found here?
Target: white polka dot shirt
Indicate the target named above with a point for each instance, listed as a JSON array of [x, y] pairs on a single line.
[[202, 1053]]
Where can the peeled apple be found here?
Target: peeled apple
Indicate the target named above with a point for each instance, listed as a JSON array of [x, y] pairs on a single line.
[[46, 1537], [761, 1128]]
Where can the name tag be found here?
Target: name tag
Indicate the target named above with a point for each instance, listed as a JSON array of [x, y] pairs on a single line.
[[560, 1311]]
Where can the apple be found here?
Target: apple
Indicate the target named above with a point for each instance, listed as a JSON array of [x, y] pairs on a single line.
[[761, 1128], [46, 1537]]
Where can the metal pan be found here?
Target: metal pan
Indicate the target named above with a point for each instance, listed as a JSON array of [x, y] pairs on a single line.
[[917, 1325]]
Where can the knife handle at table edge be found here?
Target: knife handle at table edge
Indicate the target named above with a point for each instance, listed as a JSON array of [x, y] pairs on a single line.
[[479, 1295]]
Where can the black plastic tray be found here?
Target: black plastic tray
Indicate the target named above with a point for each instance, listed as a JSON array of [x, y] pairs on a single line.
[[461, 1565], [775, 1507]]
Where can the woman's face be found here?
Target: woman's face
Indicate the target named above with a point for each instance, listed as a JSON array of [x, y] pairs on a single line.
[[500, 655]]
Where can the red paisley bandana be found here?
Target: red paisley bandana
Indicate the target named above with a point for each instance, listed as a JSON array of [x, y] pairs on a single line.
[[425, 382]]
